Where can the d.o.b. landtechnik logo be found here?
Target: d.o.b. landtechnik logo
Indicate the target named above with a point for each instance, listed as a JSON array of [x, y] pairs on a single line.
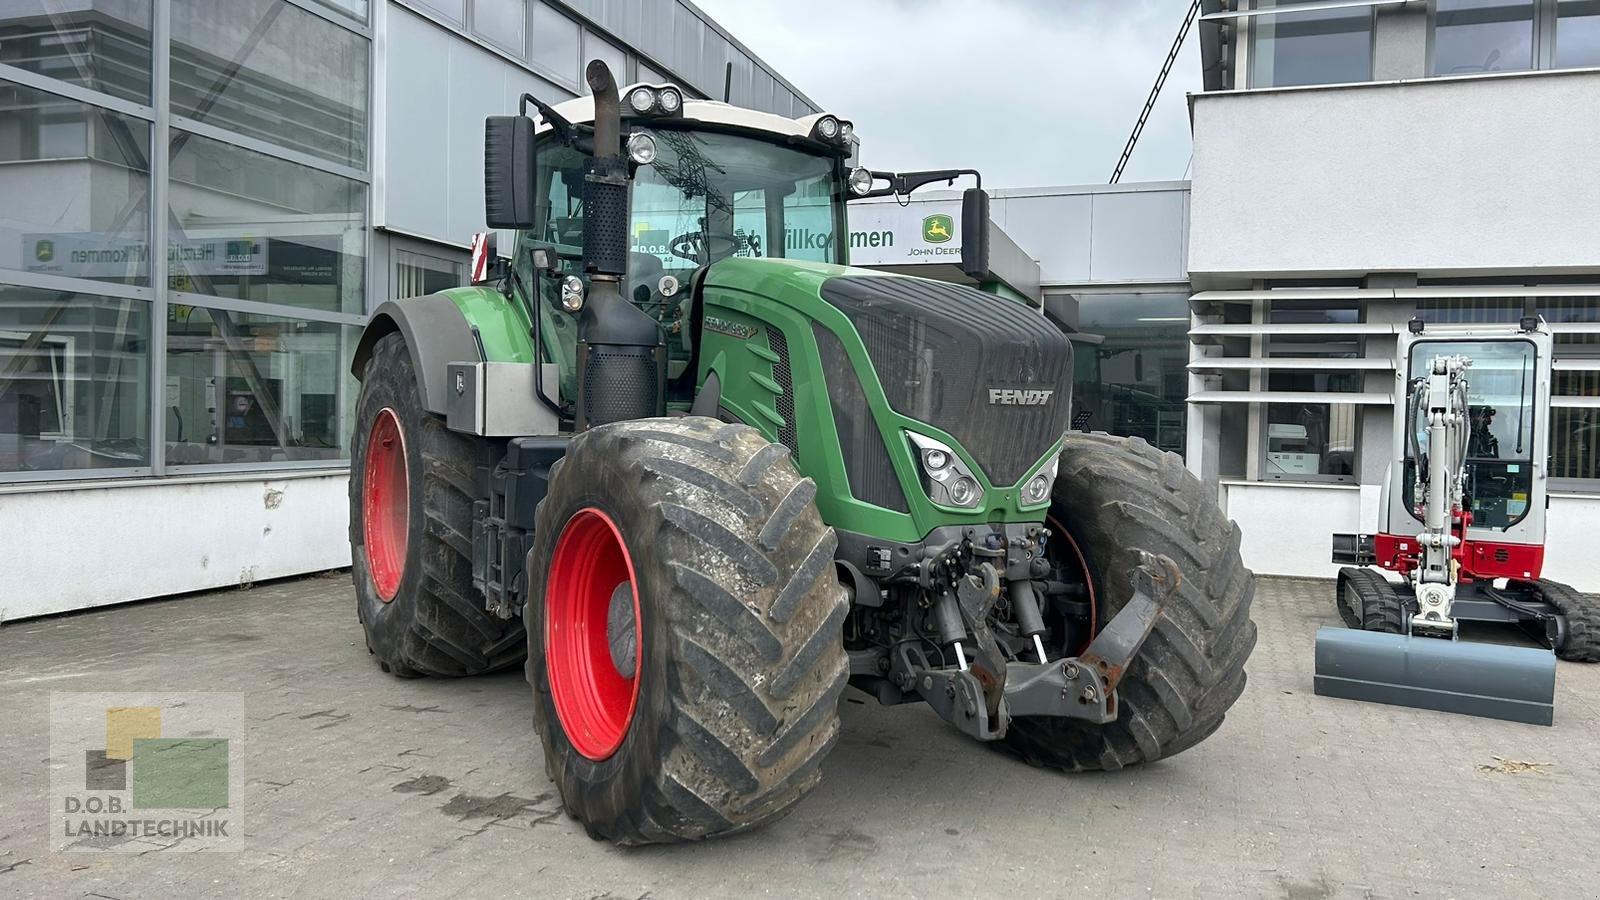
[[137, 772]]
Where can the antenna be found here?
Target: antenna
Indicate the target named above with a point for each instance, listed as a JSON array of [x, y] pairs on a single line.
[[727, 83], [1150, 103]]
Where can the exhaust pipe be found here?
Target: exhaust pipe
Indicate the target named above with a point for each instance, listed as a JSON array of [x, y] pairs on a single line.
[[622, 354]]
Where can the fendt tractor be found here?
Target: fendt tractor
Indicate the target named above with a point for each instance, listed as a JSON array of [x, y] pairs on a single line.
[[702, 475], [1461, 520]]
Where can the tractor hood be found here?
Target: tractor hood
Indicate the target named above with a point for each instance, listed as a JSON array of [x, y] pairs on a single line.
[[990, 372]]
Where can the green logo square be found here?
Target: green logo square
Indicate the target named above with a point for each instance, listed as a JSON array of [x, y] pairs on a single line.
[[936, 229], [180, 773]]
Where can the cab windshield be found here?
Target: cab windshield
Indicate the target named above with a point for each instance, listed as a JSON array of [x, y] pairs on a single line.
[[1500, 386], [707, 196]]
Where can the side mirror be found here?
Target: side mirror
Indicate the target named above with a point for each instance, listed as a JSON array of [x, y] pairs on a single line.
[[975, 233], [508, 172]]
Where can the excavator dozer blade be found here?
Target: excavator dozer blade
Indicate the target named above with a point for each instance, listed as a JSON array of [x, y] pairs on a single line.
[[1474, 679]]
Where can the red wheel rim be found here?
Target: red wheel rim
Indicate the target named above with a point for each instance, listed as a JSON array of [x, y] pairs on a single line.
[[386, 504], [594, 701]]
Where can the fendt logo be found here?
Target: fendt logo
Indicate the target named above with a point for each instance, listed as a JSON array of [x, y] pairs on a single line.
[[1019, 397], [936, 229]]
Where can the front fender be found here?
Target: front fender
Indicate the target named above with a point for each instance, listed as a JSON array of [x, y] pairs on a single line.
[[436, 334]]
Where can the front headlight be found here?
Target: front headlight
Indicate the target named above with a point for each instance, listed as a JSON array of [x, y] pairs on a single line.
[[1036, 491], [945, 478]]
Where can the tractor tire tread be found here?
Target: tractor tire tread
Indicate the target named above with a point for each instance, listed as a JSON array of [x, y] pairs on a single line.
[[443, 627], [751, 697], [1131, 496]]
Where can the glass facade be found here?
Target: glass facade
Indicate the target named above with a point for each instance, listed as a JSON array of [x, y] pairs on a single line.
[[1324, 46], [1312, 441], [1129, 369], [76, 183], [102, 45], [74, 381], [239, 357], [269, 70]]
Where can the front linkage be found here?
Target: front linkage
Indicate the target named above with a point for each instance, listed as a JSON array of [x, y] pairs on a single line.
[[981, 696]]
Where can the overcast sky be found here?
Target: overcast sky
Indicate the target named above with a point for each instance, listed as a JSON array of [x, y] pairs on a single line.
[[1029, 92]]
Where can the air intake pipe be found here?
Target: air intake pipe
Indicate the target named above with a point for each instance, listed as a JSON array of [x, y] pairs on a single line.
[[622, 354]]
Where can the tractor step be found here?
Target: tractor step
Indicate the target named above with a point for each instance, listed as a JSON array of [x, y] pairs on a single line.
[[1475, 679]]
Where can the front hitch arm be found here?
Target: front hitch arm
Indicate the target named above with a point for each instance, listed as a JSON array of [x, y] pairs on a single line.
[[1085, 687]]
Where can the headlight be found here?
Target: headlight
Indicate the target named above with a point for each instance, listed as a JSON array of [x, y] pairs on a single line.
[[845, 131], [860, 181], [670, 100], [572, 293], [945, 478], [964, 492], [642, 100], [642, 148], [828, 127], [1036, 492]]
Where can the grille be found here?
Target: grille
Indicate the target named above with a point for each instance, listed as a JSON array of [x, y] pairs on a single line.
[[619, 384], [605, 216], [939, 349], [866, 460], [785, 379]]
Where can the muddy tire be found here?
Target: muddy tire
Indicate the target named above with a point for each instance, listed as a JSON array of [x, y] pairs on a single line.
[[736, 653], [1115, 497], [411, 490], [1369, 601], [1582, 612]]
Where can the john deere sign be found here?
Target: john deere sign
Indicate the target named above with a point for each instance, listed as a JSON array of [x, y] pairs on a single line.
[[90, 255], [924, 232]]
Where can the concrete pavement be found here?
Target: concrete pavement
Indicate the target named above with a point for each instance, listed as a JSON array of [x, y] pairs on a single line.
[[360, 784]]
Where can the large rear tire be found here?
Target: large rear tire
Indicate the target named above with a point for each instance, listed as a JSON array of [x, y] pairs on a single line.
[[687, 628], [411, 490], [1115, 497]]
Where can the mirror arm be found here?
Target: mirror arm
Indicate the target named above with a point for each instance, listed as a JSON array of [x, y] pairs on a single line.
[[549, 114], [906, 182]]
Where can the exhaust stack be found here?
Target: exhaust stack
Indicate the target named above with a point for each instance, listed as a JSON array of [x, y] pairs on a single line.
[[622, 354]]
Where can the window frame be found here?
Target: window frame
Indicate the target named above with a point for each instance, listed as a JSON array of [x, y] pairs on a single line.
[[1546, 34], [1253, 39]]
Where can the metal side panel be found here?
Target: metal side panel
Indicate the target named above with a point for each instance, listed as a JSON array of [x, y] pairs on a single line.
[[1475, 679]]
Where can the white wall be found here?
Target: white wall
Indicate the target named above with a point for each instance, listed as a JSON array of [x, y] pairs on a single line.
[[67, 549], [1463, 176], [1288, 529]]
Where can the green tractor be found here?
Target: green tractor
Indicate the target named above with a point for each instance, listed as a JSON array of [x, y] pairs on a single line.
[[702, 475]]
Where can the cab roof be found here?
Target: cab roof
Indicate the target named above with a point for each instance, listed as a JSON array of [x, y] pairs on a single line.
[[581, 109]]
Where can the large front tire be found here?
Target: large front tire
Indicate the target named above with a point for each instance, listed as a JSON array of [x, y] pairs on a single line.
[[687, 631], [1115, 497], [411, 533]]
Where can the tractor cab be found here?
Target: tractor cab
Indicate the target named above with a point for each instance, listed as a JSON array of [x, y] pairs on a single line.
[[709, 182], [698, 182]]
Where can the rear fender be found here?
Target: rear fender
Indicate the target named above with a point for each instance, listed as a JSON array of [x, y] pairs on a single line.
[[436, 334]]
